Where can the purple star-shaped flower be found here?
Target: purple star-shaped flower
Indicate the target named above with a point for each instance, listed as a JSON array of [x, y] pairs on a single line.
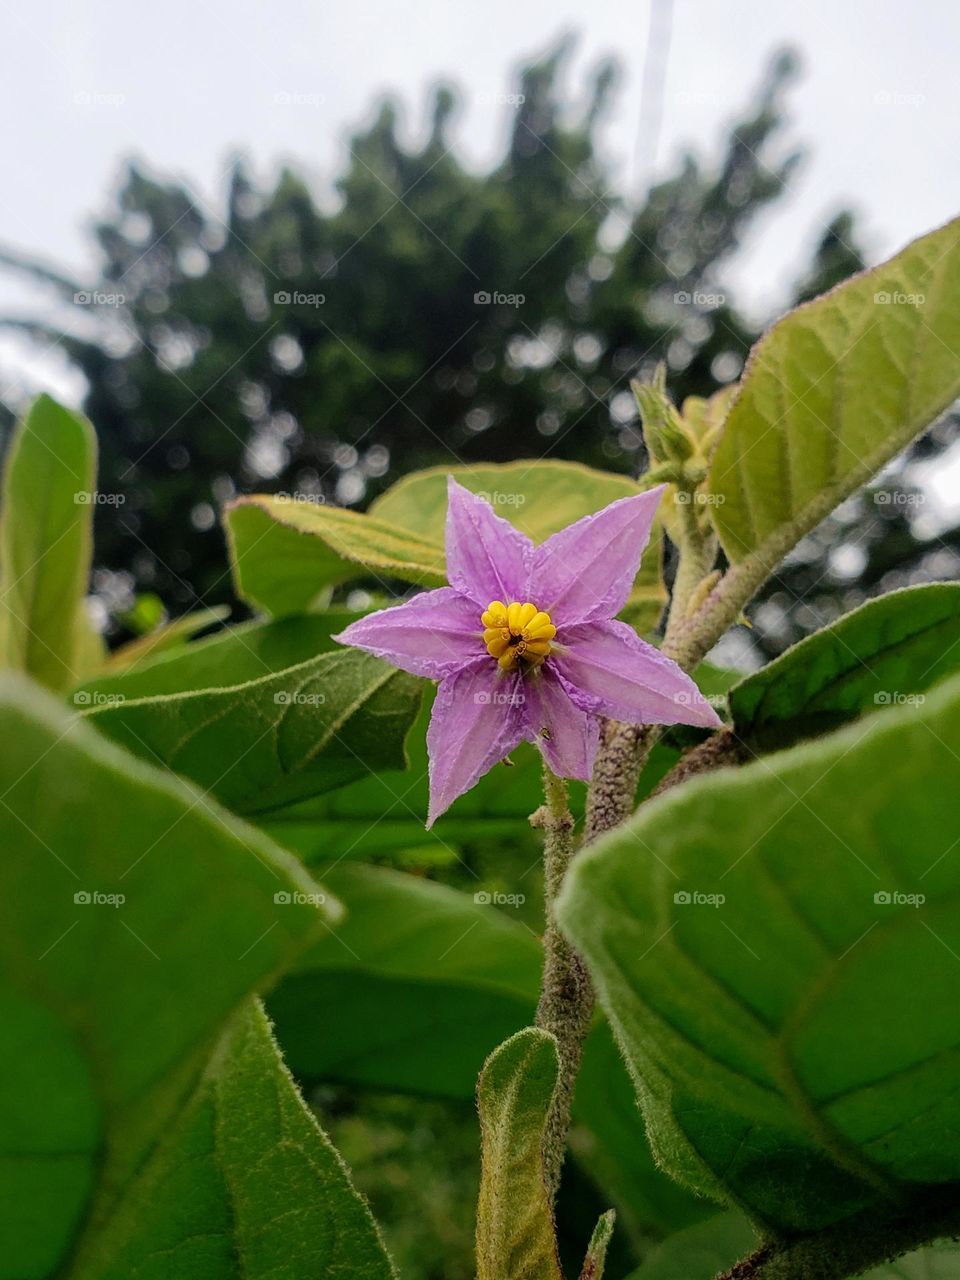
[[525, 645]]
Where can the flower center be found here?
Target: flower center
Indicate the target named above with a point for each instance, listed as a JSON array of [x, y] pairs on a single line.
[[517, 635]]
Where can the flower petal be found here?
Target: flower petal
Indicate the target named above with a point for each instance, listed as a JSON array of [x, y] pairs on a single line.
[[614, 673], [487, 558], [567, 735], [585, 571], [432, 635], [477, 719]]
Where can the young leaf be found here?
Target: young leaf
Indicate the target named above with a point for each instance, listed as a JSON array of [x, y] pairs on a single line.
[[137, 916], [45, 544], [782, 976], [596, 1258], [883, 654], [272, 741], [831, 393], [167, 636], [246, 1183], [516, 1239]]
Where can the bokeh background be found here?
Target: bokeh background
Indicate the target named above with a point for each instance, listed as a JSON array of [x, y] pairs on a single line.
[[307, 249]]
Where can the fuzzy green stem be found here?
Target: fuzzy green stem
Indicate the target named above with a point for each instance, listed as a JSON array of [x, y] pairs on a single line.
[[566, 994]]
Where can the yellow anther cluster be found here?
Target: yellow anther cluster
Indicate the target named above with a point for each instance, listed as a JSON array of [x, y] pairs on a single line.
[[516, 633]]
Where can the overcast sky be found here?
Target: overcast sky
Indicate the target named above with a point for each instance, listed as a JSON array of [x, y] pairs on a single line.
[[182, 85]]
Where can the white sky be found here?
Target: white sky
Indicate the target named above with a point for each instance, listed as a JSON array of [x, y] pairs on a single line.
[[182, 84]]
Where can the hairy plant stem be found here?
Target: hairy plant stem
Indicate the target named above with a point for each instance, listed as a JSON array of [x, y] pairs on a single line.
[[566, 999], [566, 994]]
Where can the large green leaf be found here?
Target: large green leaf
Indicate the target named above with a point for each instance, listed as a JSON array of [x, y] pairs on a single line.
[[286, 554], [831, 393], [516, 1239], [271, 741], [794, 1040], [703, 1251], [414, 965], [137, 915], [231, 657], [45, 544], [883, 654], [245, 1187]]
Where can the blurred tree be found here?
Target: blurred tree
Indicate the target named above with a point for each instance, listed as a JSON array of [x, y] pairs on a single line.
[[434, 316]]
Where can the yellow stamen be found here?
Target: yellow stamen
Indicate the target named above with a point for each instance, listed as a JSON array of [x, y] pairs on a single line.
[[517, 634]]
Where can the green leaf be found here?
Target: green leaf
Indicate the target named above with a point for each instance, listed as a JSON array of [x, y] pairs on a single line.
[[45, 544], [247, 1185], [703, 1251], [516, 1239], [286, 554], [137, 916], [883, 654], [420, 965], [700, 1252], [232, 656], [271, 741], [539, 497], [831, 393], [794, 1043]]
